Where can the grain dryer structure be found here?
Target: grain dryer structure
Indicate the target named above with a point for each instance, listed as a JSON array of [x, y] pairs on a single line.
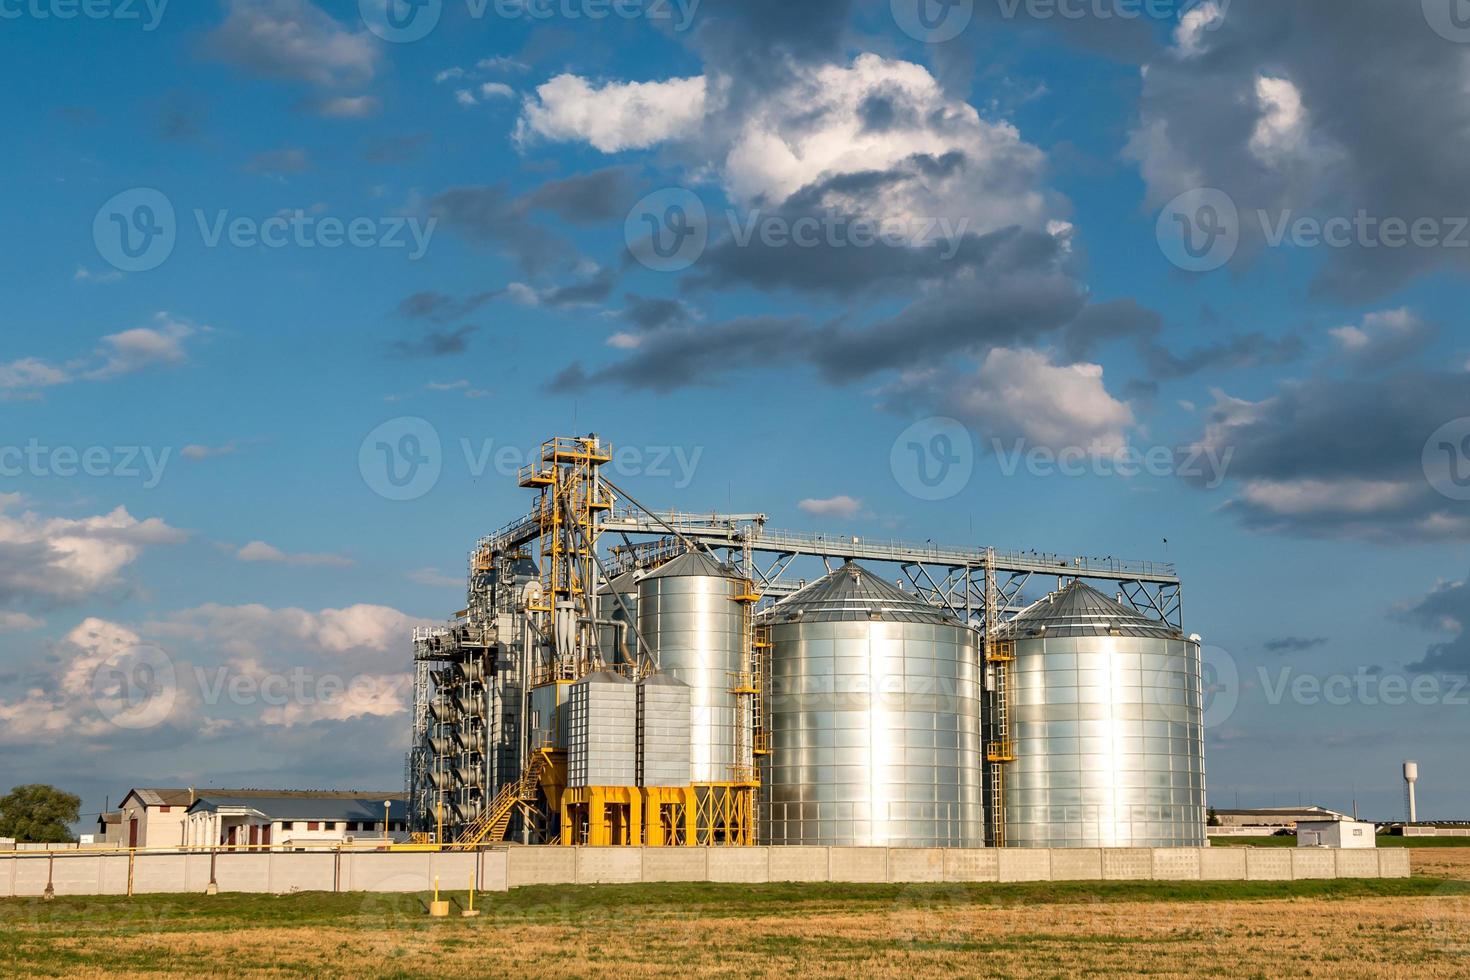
[[622, 676]]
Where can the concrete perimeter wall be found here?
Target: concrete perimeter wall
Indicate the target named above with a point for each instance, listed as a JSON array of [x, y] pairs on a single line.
[[72, 873]]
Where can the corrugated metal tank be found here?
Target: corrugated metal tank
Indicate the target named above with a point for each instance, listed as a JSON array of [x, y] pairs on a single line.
[[663, 731], [1109, 728], [687, 613], [612, 610], [602, 737], [875, 720]]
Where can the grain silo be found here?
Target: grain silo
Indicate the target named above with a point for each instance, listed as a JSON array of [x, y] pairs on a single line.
[[1107, 725], [875, 719]]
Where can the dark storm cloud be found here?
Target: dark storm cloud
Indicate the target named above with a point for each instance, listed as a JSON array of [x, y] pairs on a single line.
[[1295, 644], [1447, 608], [587, 199], [388, 150], [594, 290], [655, 313], [437, 343], [687, 357], [442, 308], [1386, 132], [491, 215], [1343, 458]]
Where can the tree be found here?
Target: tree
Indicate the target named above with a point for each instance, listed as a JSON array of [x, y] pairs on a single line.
[[1214, 820], [38, 814]]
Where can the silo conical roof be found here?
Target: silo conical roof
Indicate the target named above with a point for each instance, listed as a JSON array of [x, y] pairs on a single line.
[[1081, 610], [692, 564], [852, 593]]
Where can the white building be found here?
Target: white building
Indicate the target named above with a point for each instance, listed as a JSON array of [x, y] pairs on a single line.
[[1336, 833], [294, 820], [154, 817]]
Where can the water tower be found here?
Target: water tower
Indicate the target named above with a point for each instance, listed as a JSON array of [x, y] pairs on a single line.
[[1411, 776]]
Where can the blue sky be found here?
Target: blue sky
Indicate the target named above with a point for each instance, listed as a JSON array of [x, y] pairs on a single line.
[[1032, 169]]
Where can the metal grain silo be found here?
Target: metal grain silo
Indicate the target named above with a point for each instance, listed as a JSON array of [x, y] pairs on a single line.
[[875, 719], [618, 604], [688, 613], [1108, 728]]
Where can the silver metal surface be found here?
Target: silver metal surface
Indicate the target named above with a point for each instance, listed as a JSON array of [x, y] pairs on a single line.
[[688, 615], [602, 732], [663, 731], [1107, 719], [619, 604], [875, 720]]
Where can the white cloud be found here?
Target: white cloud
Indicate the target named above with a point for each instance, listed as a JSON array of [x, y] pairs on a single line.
[[84, 274], [1314, 498], [497, 90], [198, 452], [15, 622], [348, 107], [615, 117], [252, 629], [434, 578], [65, 560], [878, 115], [365, 696], [1195, 26], [840, 506], [1282, 130], [1382, 338], [1022, 394], [295, 40], [142, 347], [260, 552], [30, 373]]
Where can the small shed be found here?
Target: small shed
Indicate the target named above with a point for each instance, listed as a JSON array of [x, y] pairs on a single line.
[[1336, 833]]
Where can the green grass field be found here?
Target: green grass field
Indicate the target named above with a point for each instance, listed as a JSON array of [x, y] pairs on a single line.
[[1419, 926]]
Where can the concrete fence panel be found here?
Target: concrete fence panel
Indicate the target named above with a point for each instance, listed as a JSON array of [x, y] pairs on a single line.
[[916, 864], [859, 864], [1128, 864], [1310, 862], [1177, 863], [542, 866], [1268, 864], [1020, 864], [1362, 863], [1393, 862], [683, 864], [972, 864], [800, 864], [609, 865], [1223, 863], [745, 865], [1082, 864]]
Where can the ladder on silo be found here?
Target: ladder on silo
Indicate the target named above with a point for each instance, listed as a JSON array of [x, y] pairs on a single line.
[[1000, 658]]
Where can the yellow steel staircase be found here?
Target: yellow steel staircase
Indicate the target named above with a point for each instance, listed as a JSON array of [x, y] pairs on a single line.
[[491, 825]]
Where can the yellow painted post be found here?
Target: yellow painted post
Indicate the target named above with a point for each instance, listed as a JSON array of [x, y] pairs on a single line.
[[635, 818], [438, 909]]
